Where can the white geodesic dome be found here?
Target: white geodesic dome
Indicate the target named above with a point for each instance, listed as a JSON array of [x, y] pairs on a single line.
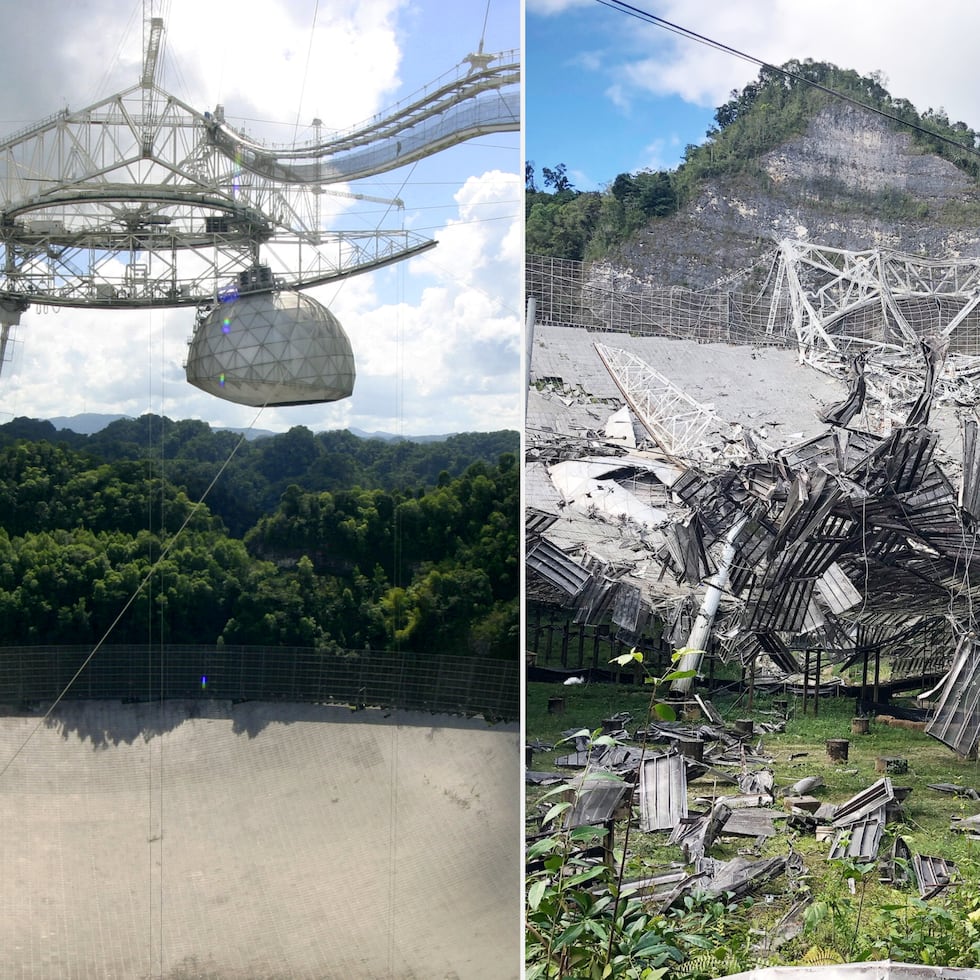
[[271, 349]]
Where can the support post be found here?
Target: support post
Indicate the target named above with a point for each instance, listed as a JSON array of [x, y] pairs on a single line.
[[697, 641]]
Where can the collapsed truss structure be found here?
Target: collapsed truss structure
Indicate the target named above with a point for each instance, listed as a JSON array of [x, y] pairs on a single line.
[[880, 305], [858, 539]]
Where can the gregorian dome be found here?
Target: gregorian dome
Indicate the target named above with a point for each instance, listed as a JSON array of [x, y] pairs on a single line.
[[271, 348]]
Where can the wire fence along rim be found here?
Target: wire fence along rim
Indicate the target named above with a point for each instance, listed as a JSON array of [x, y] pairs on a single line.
[[389, 679]]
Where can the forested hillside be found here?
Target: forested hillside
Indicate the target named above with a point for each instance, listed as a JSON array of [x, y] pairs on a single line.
[[770, 112], [313, 540]]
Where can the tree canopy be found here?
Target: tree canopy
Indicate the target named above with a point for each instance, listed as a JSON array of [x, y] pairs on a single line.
[[420, 560]]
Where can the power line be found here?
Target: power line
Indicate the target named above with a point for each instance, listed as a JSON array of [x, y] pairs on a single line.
[[786, 73]]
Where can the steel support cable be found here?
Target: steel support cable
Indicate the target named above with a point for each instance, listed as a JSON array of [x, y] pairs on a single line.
[[306, 68], [135, 595], [685, 32]]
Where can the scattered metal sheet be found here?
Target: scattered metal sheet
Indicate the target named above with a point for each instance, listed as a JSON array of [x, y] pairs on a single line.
[[956, 722], [556, 567], [742, 876], [860, 839], [695, 834], [542, 778], [933, 874], [865, 803], [804, 786], [760, 781], [752, 821], [709, 710], [663, 792], [955, 790], [596, 797]]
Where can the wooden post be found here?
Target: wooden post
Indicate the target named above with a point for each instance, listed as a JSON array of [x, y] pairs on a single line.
[[877, 672], [564, 644]]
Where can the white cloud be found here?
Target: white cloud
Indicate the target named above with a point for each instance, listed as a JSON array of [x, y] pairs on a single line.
[[264, 64], [858, 36], [549, 8]]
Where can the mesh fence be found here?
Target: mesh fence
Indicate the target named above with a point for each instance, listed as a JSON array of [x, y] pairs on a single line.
[[439, 683], [600, 298]]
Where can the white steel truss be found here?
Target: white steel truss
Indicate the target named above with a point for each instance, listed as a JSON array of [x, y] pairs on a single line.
[[141, 200], [681, 426], [882, 304]]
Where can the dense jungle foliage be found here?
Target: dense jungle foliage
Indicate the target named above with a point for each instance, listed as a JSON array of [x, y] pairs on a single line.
[[323, 540], [776, 107]]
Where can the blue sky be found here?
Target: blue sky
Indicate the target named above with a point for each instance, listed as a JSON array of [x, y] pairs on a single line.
[[606, 93], [577, 111], [436, 338]]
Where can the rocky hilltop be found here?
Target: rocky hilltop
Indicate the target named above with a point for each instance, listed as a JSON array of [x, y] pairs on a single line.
[[851, 180]]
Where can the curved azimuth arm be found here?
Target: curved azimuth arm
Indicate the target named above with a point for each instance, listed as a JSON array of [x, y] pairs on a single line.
[[140, 200]]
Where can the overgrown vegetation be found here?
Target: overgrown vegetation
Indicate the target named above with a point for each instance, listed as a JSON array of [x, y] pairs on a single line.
[[767, 112], [834, 920]]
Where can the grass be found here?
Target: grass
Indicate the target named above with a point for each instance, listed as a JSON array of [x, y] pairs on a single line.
[[798, 751]]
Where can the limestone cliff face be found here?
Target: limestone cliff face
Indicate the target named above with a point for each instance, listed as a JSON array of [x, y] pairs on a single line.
[[851, 181]]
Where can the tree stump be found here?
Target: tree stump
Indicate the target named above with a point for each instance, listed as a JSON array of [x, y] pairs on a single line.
[[744, 726], [859, 726], [556, 706], [837, 749]]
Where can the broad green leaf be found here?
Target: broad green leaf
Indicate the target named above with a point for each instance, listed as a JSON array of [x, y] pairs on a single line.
[[535, 893], [664, 711], [555, 811], [539, 847]]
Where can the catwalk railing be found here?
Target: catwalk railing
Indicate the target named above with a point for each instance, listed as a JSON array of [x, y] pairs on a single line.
[[440, 683]]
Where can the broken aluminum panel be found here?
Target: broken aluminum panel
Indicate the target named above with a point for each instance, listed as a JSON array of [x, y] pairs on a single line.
[[956, 721], [954, 790], [781, 606], [695, 834], [969, 495], [837, 590], [752, 821], [932, 874], [537, 521], [552, 564], [627, 606], [663, 792], [760, 782], [657, 886], [619, 428], [860, 839], [865, 803], [709, 710], [741, 876], [684, 546], [597, 796], [580, 485], [842, 412]]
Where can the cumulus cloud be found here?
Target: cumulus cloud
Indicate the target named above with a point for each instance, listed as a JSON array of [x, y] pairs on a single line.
[[656, 61]]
